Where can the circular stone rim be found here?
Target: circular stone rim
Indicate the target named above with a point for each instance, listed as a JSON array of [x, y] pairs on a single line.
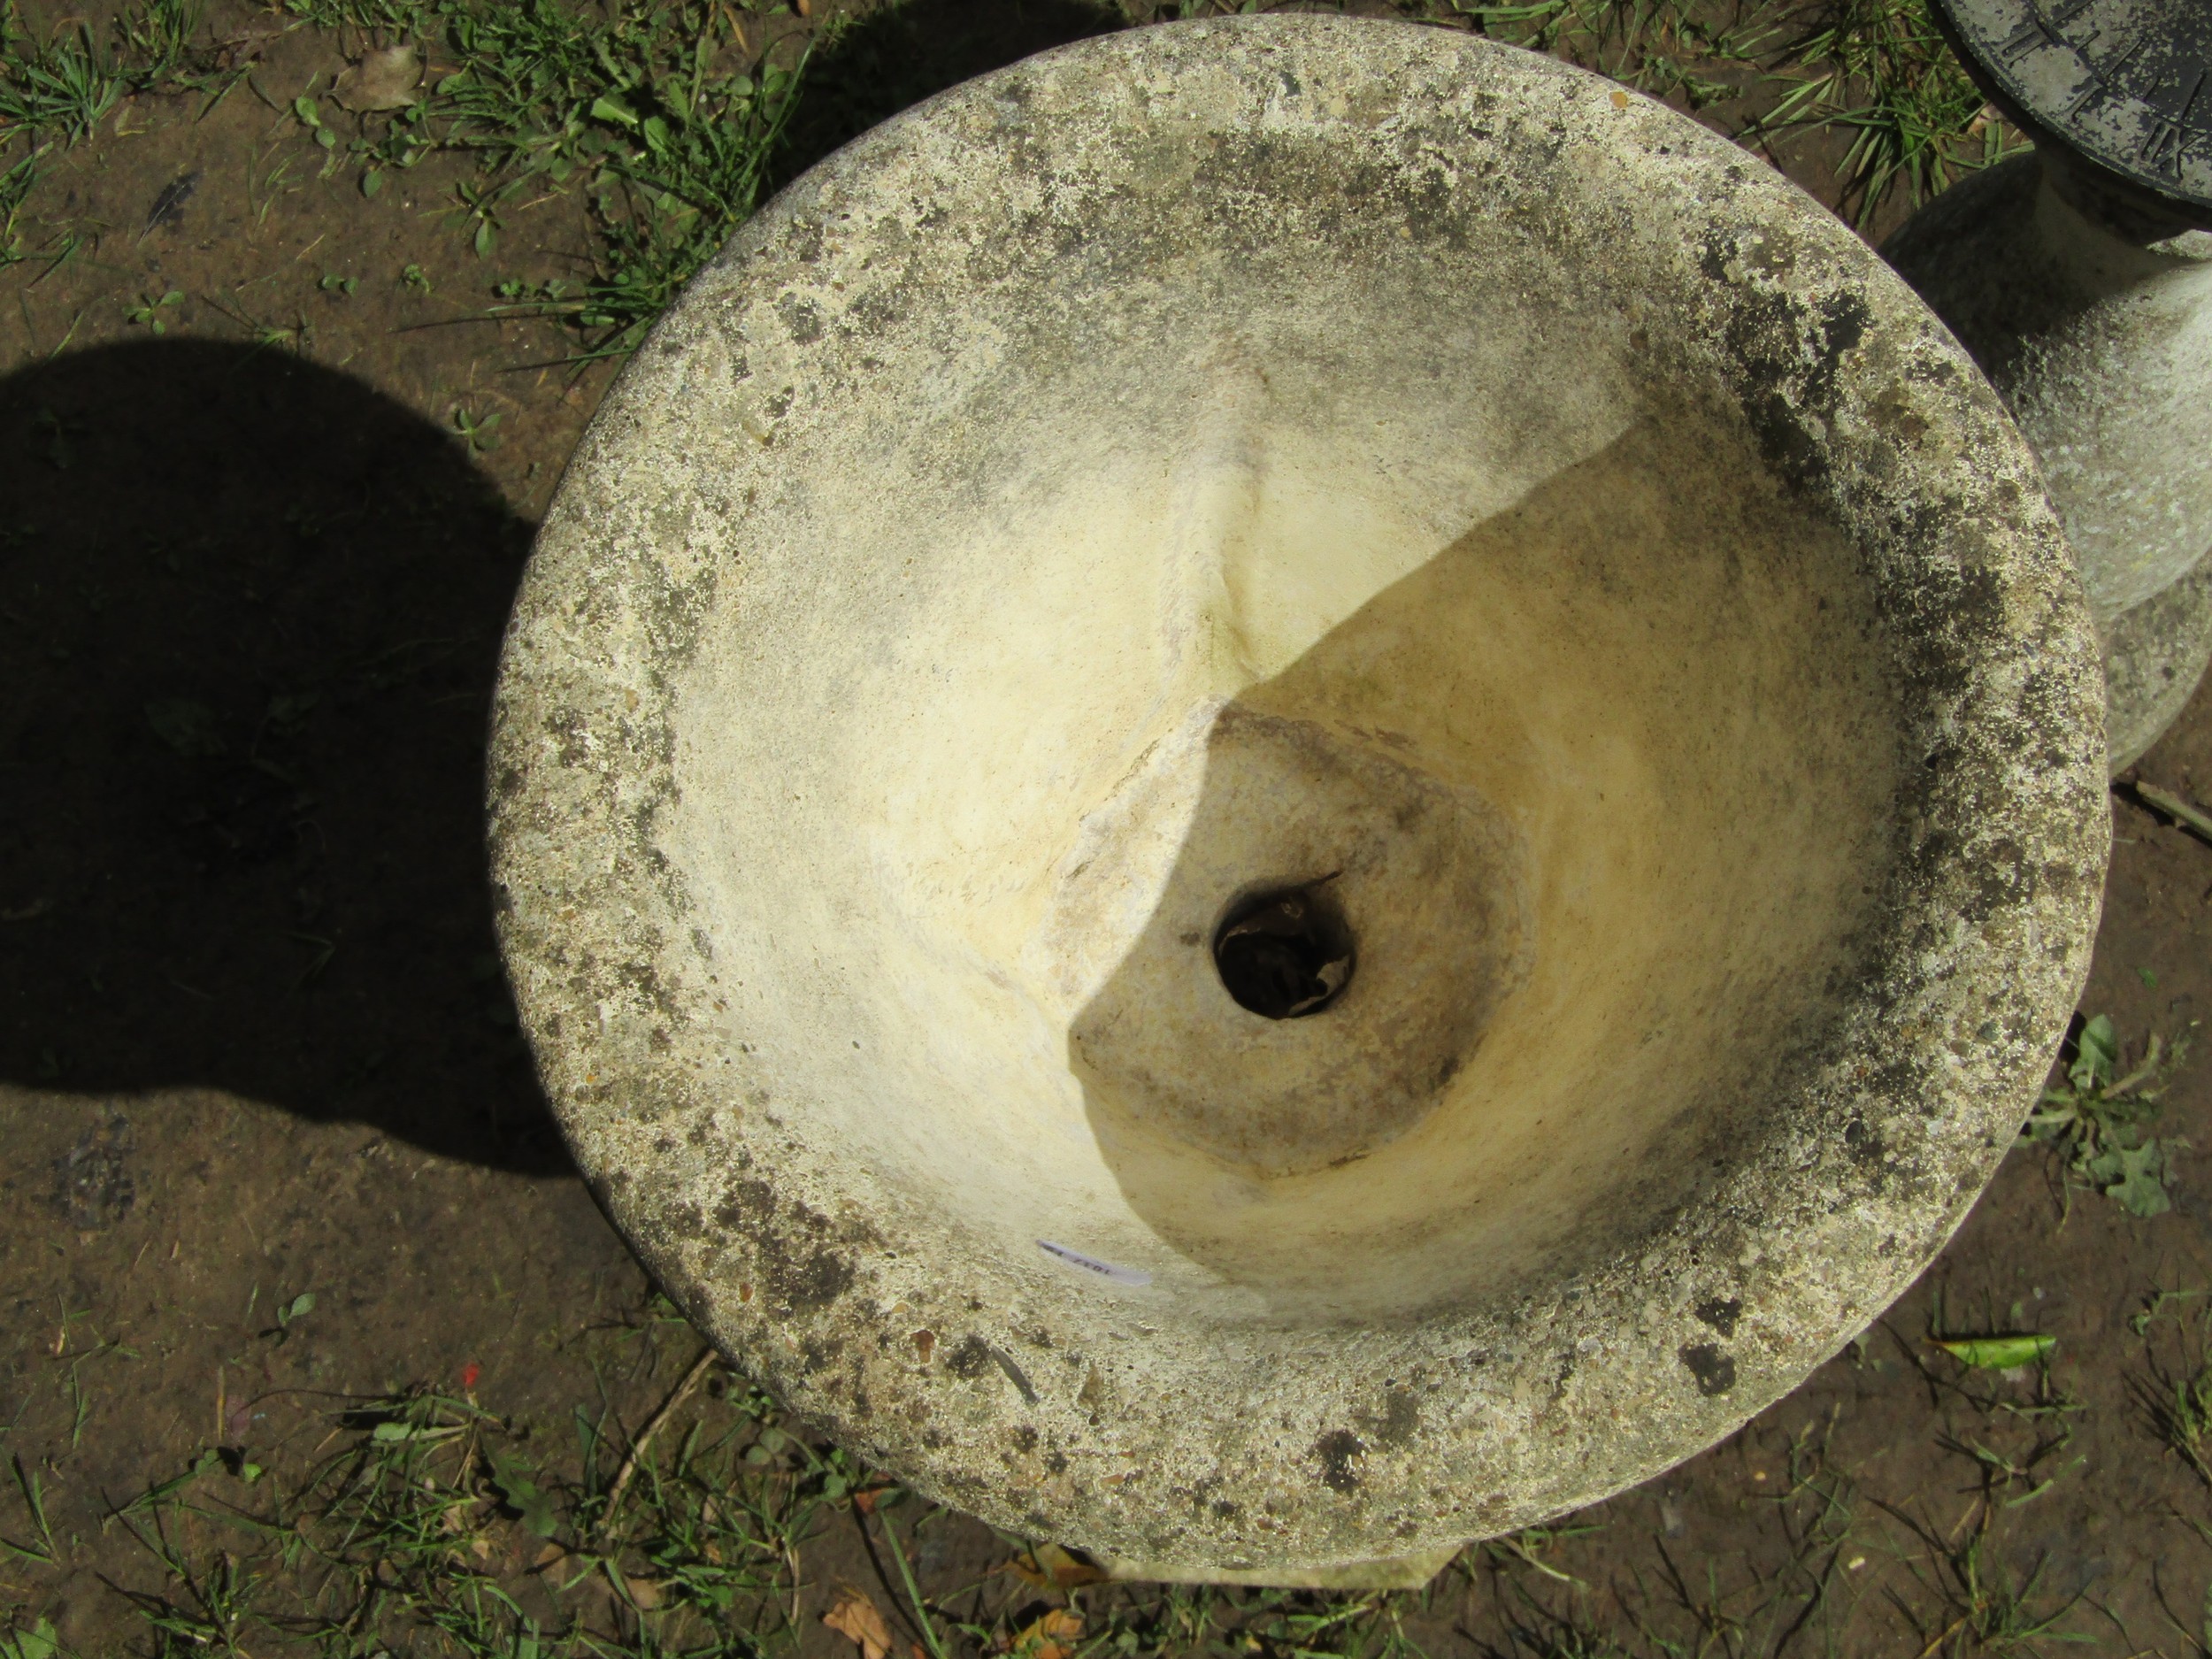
[[1384, 1441]]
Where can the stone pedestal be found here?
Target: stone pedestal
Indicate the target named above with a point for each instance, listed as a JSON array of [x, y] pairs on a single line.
[[2095, 326]]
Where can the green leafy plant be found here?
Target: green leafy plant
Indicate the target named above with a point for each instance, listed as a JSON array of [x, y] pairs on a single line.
[[476, 430], [39, 1642], [1996, 1353], [2098, 1120], [146, 313]]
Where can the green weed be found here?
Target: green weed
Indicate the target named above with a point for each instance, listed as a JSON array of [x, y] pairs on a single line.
[[2098, 1120], [49, 94], [56, 93], [1529, 1547], [148, 312], [36, 1545], [476, 430], [16, 178], [2180, 1411], [647, 112]]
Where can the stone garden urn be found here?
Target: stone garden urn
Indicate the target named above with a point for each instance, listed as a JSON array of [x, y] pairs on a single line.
[[1287, 789]]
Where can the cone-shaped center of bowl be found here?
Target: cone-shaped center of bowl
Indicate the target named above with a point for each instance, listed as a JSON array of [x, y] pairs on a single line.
[[1286, 952]]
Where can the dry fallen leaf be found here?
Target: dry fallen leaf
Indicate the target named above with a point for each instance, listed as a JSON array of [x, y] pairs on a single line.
[[1051, 1637], [854, 1617], [384, 78], [645, 1591], [1049, 1567]]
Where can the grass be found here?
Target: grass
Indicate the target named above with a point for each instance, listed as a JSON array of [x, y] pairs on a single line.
[[1987, 1607], [1796, 1593], [1879, 71], [1701, 54], [660, 112], [435, 1527], [56, 91], [2175, 1394], [665, 115], [669, 116], [52, 92], [1779, 73], [2097, 1121]]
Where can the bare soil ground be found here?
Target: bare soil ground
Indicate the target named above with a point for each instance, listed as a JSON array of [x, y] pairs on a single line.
[[286, 1223]]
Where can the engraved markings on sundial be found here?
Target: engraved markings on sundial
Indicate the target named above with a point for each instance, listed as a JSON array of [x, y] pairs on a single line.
[[2029, 35], [2101, 58], [2163, 140]]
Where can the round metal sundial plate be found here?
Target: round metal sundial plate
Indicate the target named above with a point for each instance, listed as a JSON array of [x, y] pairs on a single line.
[[2125, 84]]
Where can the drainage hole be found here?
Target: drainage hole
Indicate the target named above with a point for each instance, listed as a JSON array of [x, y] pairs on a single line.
[[1285, 953]]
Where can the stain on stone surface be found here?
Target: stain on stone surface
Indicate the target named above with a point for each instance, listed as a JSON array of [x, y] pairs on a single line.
[[792, 1278], [812, 1282], [1720, 1313], [1401, 1415], [970, 1359], [1865, 1145], [1715, 1371], [1338, 1451], [803, 319]]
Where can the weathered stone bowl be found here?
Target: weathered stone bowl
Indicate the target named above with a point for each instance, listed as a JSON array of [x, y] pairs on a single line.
[[1344, 488]]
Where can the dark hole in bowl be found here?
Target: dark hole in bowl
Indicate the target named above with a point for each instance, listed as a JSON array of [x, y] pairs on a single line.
[[1285, 953]]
